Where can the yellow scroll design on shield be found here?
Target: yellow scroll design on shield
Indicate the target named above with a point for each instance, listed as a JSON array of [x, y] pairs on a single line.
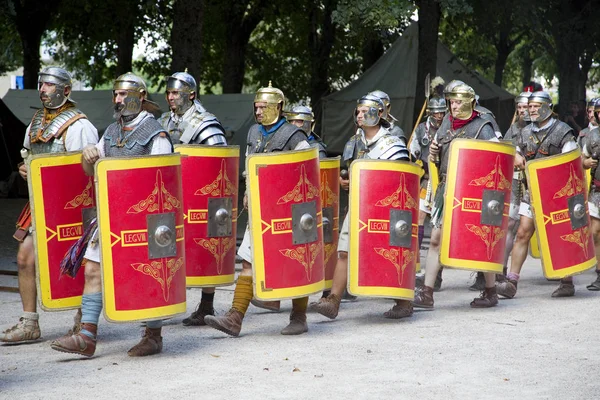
[[160, 272], [400, 198], [82, 199], [329, 250], [573, 186], [157, 199], [303, 191], [580, 237], [220, 186], [218, 248], [328, 197], [399, 258], [305, 255], [490, 236], [495, 179]]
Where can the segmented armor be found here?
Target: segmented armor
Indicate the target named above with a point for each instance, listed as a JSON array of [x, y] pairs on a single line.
[[119, 142], [49, 138]]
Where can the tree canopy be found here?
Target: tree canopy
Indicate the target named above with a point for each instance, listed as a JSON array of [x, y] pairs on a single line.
[[307, 48]]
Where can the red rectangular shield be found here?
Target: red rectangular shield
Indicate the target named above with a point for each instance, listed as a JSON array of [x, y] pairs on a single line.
[[476, 205], [209, 175], [140, 221], [383, 228], [284, 196], [559, 199], [60, 194]]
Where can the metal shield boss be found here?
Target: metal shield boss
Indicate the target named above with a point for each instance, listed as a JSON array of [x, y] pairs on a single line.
[[562, 223], [140, 222], [62, 205], [476, 205], [286, 224], [210, 176], [383, 228], [330, 200]]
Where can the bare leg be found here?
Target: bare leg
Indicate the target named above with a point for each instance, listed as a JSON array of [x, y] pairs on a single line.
[[595, 225], [508, 288], [26, 263], [433, 257], [93, 282], [513, 226], [340, 275], [596, 236], [519, 252]]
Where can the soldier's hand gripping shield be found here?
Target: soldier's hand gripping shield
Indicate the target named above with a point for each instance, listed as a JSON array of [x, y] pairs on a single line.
[[210, 197], [330, 200], [559, 199], [140, 222], [285, 224], [476, 205], [383, 228], [62, 205]]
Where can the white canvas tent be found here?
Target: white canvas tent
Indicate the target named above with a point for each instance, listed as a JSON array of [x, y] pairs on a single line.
[[395, 73]]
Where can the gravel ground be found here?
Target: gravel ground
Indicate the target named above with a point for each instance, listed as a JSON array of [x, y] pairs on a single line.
[[531, 347]]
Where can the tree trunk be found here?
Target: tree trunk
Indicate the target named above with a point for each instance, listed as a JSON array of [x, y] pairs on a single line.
[[503, 50], [31, 58], [320, 41], [586, 65], [125, 43], [568, 74], [234, 67], [31, 19], [372, 50], [186, 36], [429, 23], [241, 20], [526, 67]]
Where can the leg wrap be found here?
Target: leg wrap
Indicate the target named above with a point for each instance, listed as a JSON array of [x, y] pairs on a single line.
[[243, 294]]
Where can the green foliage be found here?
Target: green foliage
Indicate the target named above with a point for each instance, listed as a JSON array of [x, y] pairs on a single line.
[[368, 17], [85, 35], [11, 50]]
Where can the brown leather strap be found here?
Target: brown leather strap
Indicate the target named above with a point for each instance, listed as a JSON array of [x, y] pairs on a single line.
[[23, 223]]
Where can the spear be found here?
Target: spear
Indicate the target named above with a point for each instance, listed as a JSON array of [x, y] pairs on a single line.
[[427, 88]]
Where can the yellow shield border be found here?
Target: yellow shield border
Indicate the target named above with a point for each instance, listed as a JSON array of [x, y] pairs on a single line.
[[354, 228], [253, 162], [455, 147], [200, 150], [536, 203], [534, 247], [35, 164], [102, 167]]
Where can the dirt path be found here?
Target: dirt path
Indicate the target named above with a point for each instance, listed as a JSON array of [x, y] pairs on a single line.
[[532, 347]]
